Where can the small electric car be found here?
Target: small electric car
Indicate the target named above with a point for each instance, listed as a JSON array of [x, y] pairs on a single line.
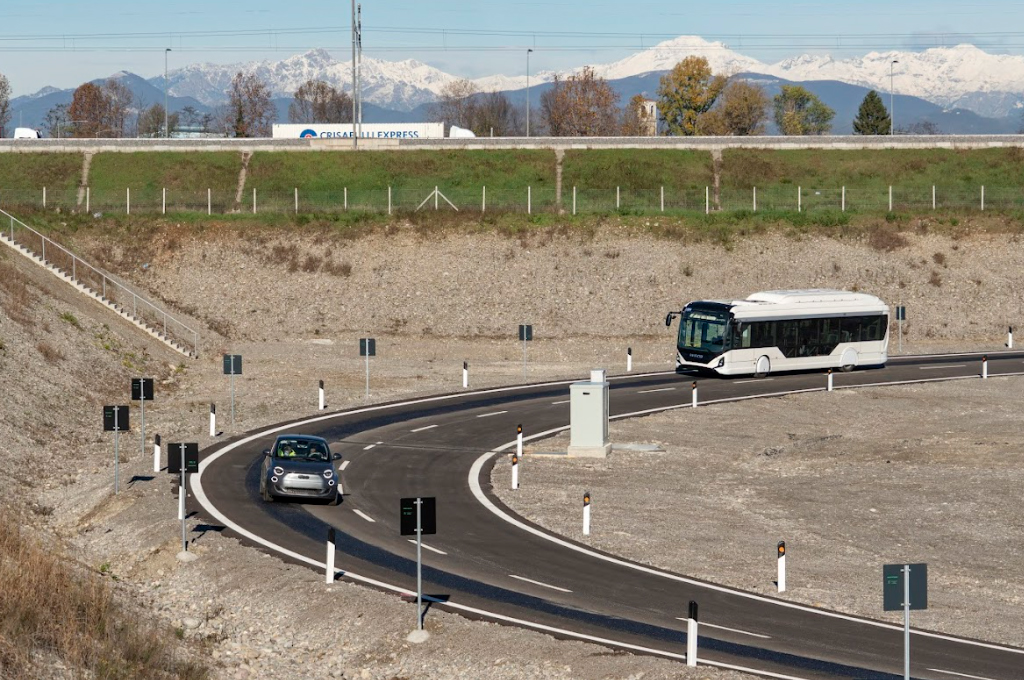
[[299, 467]]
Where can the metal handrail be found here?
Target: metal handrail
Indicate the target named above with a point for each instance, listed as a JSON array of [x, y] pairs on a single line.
[[182, 331]]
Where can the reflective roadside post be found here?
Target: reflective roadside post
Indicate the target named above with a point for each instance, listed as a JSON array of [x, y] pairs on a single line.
[[367, 348]]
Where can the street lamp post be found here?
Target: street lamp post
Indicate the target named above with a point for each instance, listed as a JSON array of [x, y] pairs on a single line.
[[528, 91], [892, 111], [167, 130]]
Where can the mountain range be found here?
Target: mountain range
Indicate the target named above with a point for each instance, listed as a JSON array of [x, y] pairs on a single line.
[[959, 88]]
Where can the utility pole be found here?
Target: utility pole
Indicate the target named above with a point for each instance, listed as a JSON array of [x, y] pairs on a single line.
[[359, 77], [167, 130], [892, 111], [355, 138], [528, 51]]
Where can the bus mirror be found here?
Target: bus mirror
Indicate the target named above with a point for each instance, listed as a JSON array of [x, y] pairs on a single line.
[[668, 319]]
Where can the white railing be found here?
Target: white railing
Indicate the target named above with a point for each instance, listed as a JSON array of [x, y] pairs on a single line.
[[107, 285]]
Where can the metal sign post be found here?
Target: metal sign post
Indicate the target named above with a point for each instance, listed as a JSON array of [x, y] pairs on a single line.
[[901, 316], [367, 348], [905, 586], [232, 367], [418, 516], [526, 335], [115, 419], [187, 461], [142, 391]]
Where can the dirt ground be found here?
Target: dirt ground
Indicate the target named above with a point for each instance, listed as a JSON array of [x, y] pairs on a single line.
[[773, 474]]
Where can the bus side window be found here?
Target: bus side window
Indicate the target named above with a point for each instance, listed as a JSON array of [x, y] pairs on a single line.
[[745, 337]]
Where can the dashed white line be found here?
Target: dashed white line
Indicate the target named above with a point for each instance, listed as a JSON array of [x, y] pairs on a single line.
[[488, 415], [426, 427], [367, 448], [959, 675], [428, 547], [363, 515], [344, 464], [556, 403], [660, 389], [540, 583], [740, 382], [731, 630], [935, 368]]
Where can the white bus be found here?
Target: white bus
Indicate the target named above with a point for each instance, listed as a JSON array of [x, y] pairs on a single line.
[[782, 330]]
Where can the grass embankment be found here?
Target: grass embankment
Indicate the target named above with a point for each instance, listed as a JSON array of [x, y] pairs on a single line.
[[49, 610], [631, 180], [186, 176], [23, 176], [323, 177]]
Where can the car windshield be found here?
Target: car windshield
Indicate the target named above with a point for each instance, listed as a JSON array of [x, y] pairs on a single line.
[[301, 449]]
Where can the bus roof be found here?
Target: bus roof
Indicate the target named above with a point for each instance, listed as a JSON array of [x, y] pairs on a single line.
[[806, 303]]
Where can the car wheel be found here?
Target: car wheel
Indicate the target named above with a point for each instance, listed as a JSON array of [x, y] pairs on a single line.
[[265, 493]]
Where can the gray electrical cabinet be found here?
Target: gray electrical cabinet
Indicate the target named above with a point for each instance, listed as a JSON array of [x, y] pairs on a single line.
[[588, 417]]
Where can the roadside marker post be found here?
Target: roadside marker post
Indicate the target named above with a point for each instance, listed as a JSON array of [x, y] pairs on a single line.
[[213, 420], [142, 391], [629, 359], [418, 516], [691, 635], [693, 394], [465, 374], [515, 472], [115, 419], [367, 348], [984, 368], [1009, 338], [232, 367], [321, 395], [526, 335], [331, 549], [901, 316], [781, 581], [156, 453], [519, 440], [187, 461], [586, 513], [830, 380]]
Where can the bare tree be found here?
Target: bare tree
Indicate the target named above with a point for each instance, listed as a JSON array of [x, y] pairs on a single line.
[[119, 100], [318, 102], [580, 105], [455, 104], [493, 113], [249, 107], [151, 121], [5, 104], [58, 121]]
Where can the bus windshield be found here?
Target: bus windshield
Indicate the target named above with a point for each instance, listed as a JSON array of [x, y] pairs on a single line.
[[704, 330]]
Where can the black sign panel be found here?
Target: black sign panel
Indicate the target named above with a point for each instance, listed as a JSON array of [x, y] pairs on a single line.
[[428, 516], [232, 364], [367, 347], [191, 457], [525, 332], [892, 587], [108, 419], [901, 313], [142, 389]]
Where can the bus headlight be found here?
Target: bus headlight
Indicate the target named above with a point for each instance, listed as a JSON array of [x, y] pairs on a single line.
[[721, 362]]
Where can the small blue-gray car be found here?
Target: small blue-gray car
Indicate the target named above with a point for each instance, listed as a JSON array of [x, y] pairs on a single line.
[[300, 466]]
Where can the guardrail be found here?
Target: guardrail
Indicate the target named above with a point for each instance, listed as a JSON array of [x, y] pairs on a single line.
[[111, 290]]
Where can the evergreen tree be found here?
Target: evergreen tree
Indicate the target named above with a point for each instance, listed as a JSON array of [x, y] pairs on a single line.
[[872, 117]]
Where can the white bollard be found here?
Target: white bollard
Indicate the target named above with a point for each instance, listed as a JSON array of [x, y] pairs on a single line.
[[984, 368], [465, 374], [213, 420], [694, 394], [782, 566], [156, 453], [515, 472], [181, 502], [691, 635], [830, 380], [321, 395], [1009, 338], [629, 359], [331, 549], [586, 513], [519, 440]]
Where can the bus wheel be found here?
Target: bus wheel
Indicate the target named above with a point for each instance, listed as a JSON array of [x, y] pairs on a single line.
[[763, 367], [849, 361]]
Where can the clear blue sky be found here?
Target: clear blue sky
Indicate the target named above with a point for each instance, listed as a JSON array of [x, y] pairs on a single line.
[[64, 43]]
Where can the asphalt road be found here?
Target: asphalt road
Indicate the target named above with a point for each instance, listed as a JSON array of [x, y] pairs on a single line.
[[484, 561]]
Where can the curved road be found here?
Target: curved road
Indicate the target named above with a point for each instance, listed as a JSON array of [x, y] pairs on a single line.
[[484, 561]]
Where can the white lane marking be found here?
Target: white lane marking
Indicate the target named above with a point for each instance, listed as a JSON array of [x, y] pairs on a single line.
[[488, 415], [742, 382], [556, 403], [428, 547], [959, 675], [426, 427], [367, 448], [344, 464], [731, 630], [540, 583], [660, 389], [935, 368], [363, 515]]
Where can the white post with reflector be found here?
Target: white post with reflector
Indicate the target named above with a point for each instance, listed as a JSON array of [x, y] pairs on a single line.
[[1009, 338], [693, 394], [782, 566], [322, 395], [830, 380], [331, 549], [629, 359], [156, 453], [213, 420], [586, 513], [465, 374], [519, 440], [515, 472], [691, 635], [984, 368]]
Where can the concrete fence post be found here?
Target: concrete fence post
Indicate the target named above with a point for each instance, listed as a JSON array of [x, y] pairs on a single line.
[[296, 200], [128, 201], [529, 200], [844, 199], [209, 201], [574, 200], [799, 199], [755, 199], [983, 198], [44, 198], [663, 198], [254, 200], [389, 199], [707, 200], [890, 198], [483, 200], [933, 197]]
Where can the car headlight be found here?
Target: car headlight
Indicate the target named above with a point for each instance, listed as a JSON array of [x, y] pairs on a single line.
[[328, 473], [278, 470]]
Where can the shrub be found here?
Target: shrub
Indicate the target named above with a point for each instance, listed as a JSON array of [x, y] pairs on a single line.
[[49, 352]]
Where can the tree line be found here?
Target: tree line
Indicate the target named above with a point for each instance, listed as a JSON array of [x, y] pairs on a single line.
[[691, 101]]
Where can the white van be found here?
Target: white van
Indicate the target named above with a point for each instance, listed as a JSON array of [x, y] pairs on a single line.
[[26, 133]]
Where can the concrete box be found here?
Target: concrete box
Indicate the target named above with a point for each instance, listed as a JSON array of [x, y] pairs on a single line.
[[588, 417]]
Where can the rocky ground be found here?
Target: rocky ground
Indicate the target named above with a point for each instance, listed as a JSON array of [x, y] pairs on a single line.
[[433, 303]]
